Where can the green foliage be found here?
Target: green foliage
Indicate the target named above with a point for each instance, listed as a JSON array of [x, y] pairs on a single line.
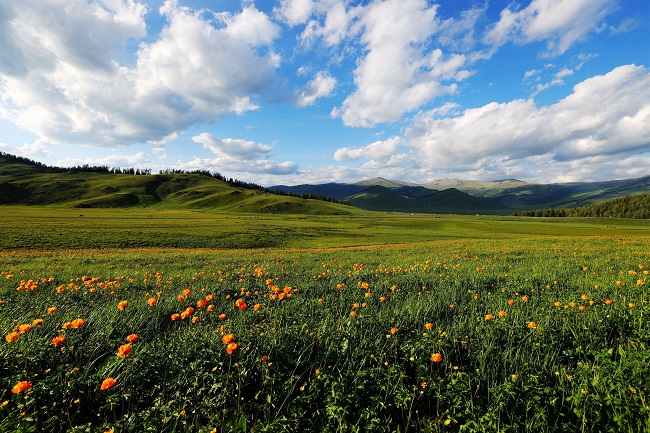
[[630, 206], [304, 363]]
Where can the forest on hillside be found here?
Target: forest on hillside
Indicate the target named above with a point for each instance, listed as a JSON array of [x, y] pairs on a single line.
[[630, 206]]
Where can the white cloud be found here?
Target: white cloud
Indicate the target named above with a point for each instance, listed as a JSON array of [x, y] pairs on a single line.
[[561, 23], [321, 86], [62, 82], [376, 150], [294, 12], [600, 131], [137, 160], [231, 147], [237, 155], [399, 73]]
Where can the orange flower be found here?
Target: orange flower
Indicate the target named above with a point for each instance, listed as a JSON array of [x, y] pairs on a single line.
[[222, 316], [428, 325], [265, 358], [59, 340], [382, 299], [257, 307], [180, 298], [132, 338], [524, 298], [152, 301], [186, 292], [501, 313], [176, 316], [489, 317], [557, 304], [108, 383], [24, 328], [353, 313], [201, 303], [38, 322], [436, 357], [12, 336], [195, 319], [211, 308], [532, 325], [608, 302], [209, 298], [228, 338], [124, 350], [51, 310], [511, 301], [185, 314], [393, 331], [77, 323], [122, 305], [21, 387], [242, 305], [230, 348]]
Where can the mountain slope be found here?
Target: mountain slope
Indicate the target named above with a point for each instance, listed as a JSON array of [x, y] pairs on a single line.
[[24, 183]]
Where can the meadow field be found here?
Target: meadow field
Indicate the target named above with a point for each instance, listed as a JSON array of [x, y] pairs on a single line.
[[181, 321]]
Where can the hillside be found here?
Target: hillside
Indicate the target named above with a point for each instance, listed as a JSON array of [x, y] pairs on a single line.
[[423, 200], [630, 206], [24, 182]]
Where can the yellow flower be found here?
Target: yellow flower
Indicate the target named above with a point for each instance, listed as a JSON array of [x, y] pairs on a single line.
[[532, 325], [489, 317]]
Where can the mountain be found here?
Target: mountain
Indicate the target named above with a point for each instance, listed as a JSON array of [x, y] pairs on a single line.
[[25, 182], [501, 195], [337, 191], [423, 200]]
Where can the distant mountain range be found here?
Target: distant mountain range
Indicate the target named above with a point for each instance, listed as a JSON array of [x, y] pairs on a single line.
[[26, 182], [462, 196]]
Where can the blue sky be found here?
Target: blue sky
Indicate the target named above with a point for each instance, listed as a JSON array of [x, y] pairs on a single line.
[[315, 91]]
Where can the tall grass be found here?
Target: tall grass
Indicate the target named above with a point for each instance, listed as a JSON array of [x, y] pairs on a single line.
[[534, 335]]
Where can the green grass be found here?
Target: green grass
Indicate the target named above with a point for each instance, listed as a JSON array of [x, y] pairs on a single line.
[[304, 363]]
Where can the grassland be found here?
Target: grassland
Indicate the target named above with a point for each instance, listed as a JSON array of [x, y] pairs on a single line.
[[318, 323]]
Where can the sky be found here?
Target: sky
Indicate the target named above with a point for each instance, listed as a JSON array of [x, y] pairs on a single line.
[[316, 91]]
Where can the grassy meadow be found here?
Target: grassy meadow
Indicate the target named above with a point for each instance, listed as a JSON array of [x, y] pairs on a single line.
[[174, 321]]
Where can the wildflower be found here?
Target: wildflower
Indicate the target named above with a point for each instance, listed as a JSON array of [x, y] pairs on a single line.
[[180, 298], [186, 292], [393, 331], [77, 323], [152, 301], [619, 282], [489, 317], [524, 298], [122, 305], [124, 350], [195, 319], [436, 357], [59, 340], [584, 297], [24, 328], [222, 316], [557, 304], [266, 358], [608, 302], [38, 322], [108, 383], [132, 338], [447, 421], [513, 377], [257, 307], [21, 386], [532, 325], [228, 338], [176, 316], [511, 301], [231, 347], [451, 305], [353, 314], [51, 310], [10, 337], [640, 282], [201, 303], [631, 305], [428, 325], [501, 313], [211, 308], [382, 299]]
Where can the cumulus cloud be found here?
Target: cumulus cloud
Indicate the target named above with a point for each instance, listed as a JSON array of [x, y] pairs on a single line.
[[321, 86], [294, 12], [237, 155], [62, 82], [400, 72], [561, 23], [604, 122], [136, 160], [376, 150]]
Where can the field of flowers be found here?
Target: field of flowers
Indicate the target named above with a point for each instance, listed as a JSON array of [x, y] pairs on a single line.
[[533, 334]]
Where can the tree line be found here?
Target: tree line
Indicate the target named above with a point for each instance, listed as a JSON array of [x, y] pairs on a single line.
[[635, 206]]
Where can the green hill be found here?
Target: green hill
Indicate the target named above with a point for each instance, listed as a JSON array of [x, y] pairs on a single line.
[[629, 206], [25, 182], [423, 200]]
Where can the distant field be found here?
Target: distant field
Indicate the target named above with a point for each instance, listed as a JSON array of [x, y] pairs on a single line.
[[188, 321], [27, 227]]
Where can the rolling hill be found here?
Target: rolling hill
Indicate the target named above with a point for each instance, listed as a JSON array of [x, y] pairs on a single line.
[[25, 182]]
